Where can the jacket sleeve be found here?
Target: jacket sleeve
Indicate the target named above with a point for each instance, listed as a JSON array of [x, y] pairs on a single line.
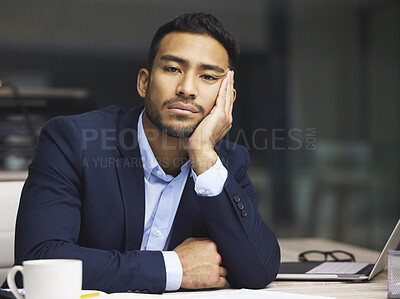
[[49, 218], [249, 249]]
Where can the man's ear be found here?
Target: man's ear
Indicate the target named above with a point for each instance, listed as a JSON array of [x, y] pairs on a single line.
[[143, 79], [234, 95]]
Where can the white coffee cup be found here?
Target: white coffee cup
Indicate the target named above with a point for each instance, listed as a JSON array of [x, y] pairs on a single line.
[[48, 279]]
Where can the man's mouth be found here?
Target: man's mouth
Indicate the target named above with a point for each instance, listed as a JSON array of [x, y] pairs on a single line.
[[183, 109]]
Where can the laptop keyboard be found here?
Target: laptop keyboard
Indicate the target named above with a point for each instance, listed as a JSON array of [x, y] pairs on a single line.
[[338, 268]]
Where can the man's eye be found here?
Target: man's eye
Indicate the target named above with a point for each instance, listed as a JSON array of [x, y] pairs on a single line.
[[209, 77], [171, 69]]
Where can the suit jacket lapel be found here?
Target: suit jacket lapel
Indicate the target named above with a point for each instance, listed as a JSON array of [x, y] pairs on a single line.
[[130, 175], [187, 222]]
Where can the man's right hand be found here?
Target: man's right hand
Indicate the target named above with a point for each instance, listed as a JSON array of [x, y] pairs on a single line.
[[201, 264]]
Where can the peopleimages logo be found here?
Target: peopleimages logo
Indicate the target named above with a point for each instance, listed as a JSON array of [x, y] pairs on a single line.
[[277, 139], [261, 139]]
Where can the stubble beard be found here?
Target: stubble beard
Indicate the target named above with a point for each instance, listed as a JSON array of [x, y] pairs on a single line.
[[154, 116]]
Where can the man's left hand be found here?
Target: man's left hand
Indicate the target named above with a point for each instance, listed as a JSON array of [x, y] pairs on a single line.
[[200, 146]]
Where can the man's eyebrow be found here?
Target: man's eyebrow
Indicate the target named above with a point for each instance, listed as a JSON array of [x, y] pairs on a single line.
[[177, 59], [211, 67]]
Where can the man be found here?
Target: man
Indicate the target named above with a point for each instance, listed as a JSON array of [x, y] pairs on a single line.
[[152, 199]]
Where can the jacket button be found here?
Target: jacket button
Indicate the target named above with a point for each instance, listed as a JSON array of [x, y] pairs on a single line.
[[240, 206], [244, 213], [236, 198]]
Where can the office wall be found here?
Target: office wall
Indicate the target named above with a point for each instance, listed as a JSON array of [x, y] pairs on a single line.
[[344, 74], [120, 25], [384, 97]]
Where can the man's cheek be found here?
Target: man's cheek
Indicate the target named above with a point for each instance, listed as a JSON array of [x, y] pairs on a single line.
[[214, 95]]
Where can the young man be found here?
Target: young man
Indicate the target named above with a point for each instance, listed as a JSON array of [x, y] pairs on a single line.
[[152, 199]]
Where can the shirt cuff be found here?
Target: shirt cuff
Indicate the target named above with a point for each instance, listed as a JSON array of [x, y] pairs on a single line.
[[173, 269], [212, 181]]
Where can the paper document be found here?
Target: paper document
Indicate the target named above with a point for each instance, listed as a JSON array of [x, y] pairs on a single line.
[[237, 294]]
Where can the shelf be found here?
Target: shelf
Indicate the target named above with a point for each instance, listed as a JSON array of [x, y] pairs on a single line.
[[23, 116]]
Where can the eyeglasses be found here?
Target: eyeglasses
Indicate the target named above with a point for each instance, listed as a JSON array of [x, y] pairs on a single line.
[[326, 256]]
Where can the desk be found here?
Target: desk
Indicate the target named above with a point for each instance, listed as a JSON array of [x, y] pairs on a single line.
[[13, 175], [290, 248]]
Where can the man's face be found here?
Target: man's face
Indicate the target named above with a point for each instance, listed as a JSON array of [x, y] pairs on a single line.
[[183, 86]]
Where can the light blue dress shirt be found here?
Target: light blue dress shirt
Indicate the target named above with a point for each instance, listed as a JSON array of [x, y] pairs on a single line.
[[162, 196]]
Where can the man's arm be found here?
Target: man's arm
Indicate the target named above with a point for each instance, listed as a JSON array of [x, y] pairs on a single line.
[[49, 222], [200, 146], [249, 249]]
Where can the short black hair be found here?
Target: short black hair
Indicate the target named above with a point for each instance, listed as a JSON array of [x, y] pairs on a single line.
[[197, 23]]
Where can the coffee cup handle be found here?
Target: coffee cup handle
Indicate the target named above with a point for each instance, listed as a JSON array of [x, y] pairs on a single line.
[[11, 281]]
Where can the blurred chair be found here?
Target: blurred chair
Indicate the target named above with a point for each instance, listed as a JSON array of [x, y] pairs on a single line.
[[342, 169], [9, 200]]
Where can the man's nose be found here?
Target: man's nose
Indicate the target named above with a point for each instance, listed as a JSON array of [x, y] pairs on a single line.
[[187, 87]]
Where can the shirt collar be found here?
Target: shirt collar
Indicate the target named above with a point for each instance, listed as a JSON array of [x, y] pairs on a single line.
[[149, 161]]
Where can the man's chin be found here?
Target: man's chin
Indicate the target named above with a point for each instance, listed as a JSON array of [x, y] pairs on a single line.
[[181, 133], [176, 129]]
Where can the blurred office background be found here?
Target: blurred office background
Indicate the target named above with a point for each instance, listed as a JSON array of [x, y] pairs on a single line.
[[318, 96]]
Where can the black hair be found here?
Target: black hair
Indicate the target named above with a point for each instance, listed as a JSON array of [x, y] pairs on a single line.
[[197, 23]]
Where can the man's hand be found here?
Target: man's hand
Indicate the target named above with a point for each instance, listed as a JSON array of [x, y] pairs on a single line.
[[201, 264], [200, 146]]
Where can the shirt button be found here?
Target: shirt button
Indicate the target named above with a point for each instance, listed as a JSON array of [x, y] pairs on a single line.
[[202, 191], [158, 172], [157, 233], [173, 184], [240, 206], [236, 198]]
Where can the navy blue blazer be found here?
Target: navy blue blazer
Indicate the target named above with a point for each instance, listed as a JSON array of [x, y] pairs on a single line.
[[84, 199]]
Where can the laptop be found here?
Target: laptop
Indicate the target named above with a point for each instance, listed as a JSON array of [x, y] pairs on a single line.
[[339, 270]]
